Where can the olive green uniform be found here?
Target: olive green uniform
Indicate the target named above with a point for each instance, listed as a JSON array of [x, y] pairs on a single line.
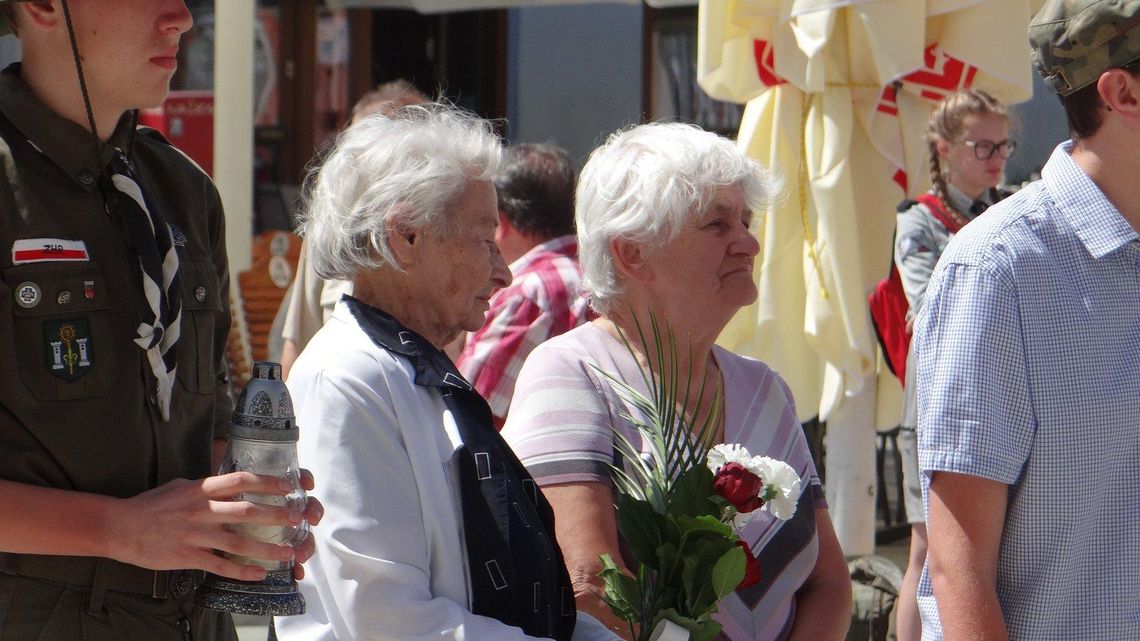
[[77, 410]]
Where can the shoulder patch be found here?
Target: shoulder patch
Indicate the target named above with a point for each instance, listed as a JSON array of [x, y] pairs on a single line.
[[913, 242]]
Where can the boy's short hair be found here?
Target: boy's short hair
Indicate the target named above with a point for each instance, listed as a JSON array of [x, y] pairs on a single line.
[[7, 17]]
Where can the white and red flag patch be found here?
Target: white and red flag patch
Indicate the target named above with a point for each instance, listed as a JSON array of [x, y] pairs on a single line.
[[48, 250]]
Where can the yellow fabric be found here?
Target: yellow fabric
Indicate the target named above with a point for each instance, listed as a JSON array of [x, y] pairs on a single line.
[[838, 139]]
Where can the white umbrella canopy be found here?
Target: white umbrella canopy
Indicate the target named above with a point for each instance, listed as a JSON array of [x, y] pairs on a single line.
[[838, 93], [444, 6]]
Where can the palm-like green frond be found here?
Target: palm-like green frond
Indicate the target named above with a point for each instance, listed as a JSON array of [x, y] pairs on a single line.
[[674, 443]]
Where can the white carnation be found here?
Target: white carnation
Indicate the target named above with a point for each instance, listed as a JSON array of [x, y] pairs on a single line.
[[786, 483], [724, 453]]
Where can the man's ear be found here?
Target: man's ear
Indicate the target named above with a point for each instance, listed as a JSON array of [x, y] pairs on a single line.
[[629, 260], [1119, 90], [504, 228]]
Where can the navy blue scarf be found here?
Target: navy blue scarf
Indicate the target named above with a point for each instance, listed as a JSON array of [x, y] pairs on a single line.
[[517, 572]]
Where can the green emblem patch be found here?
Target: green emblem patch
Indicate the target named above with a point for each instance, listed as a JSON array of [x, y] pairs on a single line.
[[68, 348]]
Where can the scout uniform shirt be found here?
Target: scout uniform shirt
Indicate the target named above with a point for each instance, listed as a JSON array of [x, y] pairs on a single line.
[[77, 410]]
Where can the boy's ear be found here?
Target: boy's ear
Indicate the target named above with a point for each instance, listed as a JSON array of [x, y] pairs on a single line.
[[43, 15]]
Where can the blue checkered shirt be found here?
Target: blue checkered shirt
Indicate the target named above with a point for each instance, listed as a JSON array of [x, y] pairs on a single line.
[[1029, 374]]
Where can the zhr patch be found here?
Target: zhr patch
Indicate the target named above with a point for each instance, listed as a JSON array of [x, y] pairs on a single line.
[[68, 348], [49, 250]]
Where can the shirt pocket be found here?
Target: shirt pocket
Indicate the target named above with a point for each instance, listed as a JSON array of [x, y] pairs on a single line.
[[65, 344], [201, 309]]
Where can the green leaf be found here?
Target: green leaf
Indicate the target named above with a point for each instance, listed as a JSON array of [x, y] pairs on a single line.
[[705, 630], [622, 592], [708, 526], [668, 556], [691, 492], [641, 527], [701, 557], [728, 572]]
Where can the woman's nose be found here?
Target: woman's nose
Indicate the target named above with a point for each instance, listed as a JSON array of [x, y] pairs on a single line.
[[746, 242], [500, 273]]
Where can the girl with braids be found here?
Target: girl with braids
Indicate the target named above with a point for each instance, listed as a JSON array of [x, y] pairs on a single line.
[[968, 136]]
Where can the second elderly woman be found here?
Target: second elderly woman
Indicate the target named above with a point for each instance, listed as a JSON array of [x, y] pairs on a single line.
[[663, 217], [433, 529]]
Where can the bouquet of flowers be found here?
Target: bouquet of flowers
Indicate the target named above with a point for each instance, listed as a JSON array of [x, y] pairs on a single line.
[[679, 509]]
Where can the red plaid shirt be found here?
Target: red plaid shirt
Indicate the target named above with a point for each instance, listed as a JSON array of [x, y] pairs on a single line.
[[545, 299]]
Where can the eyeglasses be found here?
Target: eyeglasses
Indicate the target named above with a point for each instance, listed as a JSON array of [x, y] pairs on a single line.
[[985, 149]]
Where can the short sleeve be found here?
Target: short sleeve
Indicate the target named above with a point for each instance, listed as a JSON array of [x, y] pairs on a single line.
[[800, 456], [561, 421], [974, 413], [916, 253]]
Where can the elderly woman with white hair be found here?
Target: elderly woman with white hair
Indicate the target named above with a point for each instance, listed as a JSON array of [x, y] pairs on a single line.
[[664, 213], [433, 529]]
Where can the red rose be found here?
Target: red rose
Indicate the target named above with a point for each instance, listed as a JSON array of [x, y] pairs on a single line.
[[739, 487], [751, 568]]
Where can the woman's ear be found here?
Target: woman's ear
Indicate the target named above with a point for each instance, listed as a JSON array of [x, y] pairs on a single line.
[[402, 240], [942, 146], [629, 260]]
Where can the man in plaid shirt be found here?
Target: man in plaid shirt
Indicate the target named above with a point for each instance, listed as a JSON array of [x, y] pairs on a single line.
[[536, 235]]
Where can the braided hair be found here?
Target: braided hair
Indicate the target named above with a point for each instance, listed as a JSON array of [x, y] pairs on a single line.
[[946, 123]]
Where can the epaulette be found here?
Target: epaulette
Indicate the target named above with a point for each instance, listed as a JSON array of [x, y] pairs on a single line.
[[905, 205], [153, 134], [156, 135]]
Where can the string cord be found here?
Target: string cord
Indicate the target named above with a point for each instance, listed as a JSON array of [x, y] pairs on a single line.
[[82, 79]]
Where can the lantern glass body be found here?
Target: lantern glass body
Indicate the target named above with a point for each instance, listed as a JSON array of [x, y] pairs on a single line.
[[274, 458]]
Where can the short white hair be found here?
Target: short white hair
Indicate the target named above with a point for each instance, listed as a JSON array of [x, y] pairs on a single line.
[[399, 170], [644, 184]]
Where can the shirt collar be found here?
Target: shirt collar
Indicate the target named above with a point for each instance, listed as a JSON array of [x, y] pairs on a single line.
[[963, 203], [560, 245], [1083, 205], [69, 145], [958, 199], [433, 367]]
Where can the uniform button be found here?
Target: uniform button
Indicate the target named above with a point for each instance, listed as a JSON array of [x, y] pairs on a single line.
[[86, 177], [200, 294]]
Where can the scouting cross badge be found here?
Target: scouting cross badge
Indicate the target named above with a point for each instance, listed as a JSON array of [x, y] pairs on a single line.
[[67, 345]]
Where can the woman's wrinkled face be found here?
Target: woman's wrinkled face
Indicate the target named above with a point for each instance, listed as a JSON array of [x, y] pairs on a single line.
[[966, 171], [707, 268], [461, 268]]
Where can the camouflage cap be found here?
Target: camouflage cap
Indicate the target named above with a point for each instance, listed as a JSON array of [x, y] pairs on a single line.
[[1074, 41]]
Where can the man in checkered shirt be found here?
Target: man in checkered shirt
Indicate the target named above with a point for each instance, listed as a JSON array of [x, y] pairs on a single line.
[[1029, 370], [535, 190]]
